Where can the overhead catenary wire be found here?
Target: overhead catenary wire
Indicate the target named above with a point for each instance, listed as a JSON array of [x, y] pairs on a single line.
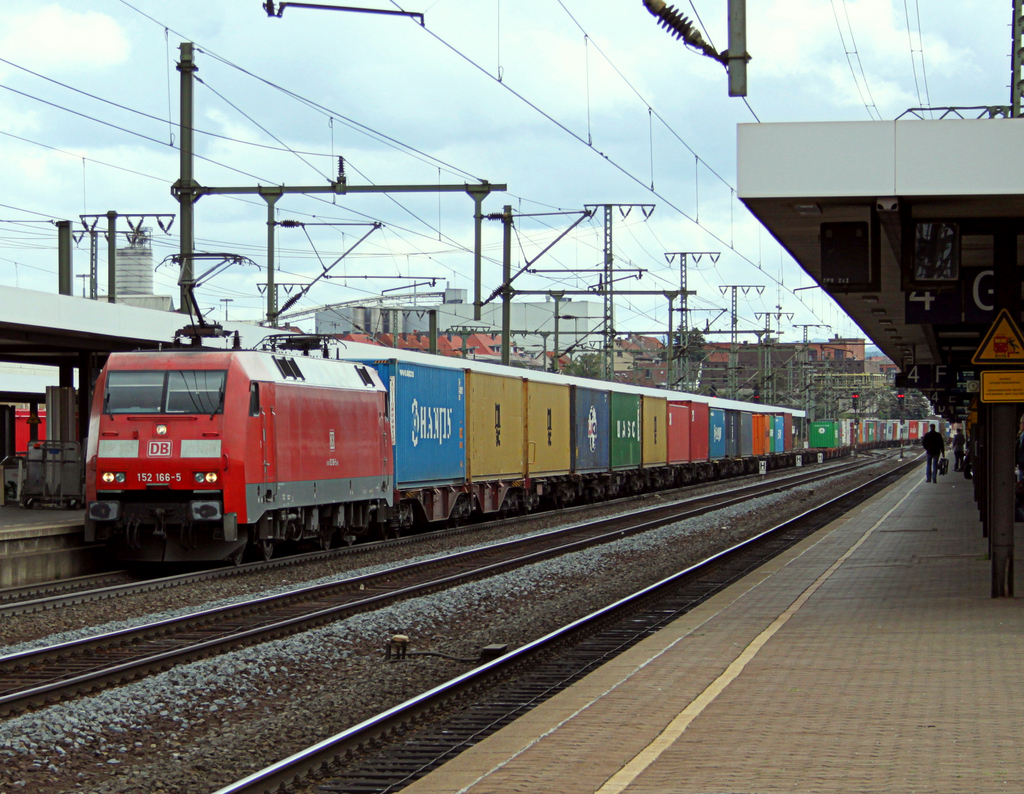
[[851, 53], [463, 248], [613, 163], [330, 113], [913, 60], [151, 117]]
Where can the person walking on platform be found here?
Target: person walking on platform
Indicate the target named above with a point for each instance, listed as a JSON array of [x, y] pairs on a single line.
[[935, 446], [959, 445]]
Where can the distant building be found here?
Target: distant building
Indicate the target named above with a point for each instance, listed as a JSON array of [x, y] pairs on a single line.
[[533, 323]]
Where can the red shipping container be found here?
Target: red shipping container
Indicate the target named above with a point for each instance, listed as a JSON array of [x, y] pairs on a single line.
[[678, 432], [699, 428], [787, 439]]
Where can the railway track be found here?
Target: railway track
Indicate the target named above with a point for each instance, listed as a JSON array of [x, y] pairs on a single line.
[[501, 690], [55, 672], [44, 591], [115, 584]]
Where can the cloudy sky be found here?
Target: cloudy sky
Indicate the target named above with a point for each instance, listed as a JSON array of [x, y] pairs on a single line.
[[567, 102]]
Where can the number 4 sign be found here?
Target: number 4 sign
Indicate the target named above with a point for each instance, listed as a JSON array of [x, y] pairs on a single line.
[[932, 306]]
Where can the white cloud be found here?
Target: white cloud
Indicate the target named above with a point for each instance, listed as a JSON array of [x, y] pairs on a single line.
[[55, 39]]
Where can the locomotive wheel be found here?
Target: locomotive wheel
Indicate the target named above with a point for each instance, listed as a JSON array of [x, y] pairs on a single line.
[[265, 548], [326, 539]]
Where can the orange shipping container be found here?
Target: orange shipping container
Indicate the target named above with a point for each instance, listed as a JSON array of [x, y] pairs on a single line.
[[760, 435]]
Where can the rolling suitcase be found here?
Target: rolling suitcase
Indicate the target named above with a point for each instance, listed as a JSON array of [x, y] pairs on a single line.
[[943, 465]]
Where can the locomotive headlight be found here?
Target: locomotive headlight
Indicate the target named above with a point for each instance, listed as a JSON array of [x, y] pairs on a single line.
[[211, 476], [161, 430], [200, 477], [120, 476], [108, 476]]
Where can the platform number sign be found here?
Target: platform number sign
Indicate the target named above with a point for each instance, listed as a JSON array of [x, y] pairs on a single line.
[[923, 376], [932, 306]]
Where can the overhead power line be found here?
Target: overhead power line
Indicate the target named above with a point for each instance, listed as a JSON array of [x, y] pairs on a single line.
[[860, 82], [412, 151]]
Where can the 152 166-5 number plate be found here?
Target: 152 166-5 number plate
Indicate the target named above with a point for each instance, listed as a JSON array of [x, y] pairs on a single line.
[[159, 476]]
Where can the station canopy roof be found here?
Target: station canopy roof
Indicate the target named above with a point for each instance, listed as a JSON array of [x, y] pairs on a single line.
[[894, 219]]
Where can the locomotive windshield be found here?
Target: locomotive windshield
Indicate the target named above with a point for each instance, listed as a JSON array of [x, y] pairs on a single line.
[[187, 391]]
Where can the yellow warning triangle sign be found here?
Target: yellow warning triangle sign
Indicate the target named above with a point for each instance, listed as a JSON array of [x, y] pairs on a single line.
[[1003, 344]]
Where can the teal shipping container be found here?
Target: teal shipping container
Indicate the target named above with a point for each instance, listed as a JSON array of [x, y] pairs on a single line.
[[778, 434], [626, 451]]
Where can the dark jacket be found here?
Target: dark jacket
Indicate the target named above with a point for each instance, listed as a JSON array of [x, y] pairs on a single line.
[[933, 443]]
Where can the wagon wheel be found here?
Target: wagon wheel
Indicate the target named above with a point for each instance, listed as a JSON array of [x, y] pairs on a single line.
[[265, 549], [326, 539], [236, 558]]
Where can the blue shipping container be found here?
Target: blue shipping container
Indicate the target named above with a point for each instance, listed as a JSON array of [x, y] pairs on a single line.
[[428, 422], [778, 434], [591, 422], [716, 433], [732, 434]]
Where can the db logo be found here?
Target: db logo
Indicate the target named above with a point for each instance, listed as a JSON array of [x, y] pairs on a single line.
[[159, 449]]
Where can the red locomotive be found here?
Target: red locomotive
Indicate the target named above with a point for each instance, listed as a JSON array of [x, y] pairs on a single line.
[[197, 455]]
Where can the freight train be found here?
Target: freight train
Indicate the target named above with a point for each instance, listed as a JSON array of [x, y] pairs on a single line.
[[200, 454], [829, 433]]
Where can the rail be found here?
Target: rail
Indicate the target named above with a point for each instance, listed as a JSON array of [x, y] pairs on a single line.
[[319, 757]]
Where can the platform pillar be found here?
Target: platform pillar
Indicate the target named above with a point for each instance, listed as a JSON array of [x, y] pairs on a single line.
[[1000, 480], [1000, 491], [980, 469]]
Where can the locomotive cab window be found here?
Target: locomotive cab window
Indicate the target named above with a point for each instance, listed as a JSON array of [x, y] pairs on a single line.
[[165, 392], [254, 399]]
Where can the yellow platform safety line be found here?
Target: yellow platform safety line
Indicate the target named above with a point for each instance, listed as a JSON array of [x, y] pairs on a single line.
[[632, 770]]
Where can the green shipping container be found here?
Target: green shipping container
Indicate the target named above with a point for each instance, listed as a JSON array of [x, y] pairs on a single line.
[[626, 452], [823, 434]]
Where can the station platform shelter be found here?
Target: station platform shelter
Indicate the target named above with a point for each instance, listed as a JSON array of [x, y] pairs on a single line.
[[915, 227], [868, 658]]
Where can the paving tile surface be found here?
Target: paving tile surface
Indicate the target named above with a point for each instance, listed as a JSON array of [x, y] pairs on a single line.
[[897, 673]]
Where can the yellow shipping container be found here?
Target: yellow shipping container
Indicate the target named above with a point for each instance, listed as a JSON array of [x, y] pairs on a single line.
[[495, 421], [548, 430], [655, 420]]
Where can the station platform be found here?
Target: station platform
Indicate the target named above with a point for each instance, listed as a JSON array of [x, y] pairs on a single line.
[[40, 545], [868, 658]]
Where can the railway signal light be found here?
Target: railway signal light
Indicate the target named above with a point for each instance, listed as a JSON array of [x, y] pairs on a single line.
[[900, 400], [855, 398], [757, 394]]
